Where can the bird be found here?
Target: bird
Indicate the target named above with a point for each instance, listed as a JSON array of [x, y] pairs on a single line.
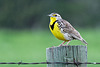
[[63, 30]]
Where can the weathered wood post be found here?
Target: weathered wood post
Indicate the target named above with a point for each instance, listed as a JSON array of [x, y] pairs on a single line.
[[67, 54]]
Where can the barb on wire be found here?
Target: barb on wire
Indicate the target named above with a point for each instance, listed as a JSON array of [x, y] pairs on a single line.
[[76, 63]]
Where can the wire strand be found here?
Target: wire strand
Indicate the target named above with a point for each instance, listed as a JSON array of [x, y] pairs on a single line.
[[76, 63]]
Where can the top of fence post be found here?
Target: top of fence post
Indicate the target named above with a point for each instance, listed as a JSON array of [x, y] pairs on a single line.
[[76, 53]]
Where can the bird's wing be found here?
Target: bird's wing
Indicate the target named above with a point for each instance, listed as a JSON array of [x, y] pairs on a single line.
[[68, 28]]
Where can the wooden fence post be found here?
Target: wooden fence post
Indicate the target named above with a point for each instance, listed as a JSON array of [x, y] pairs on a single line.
[[70, 53]]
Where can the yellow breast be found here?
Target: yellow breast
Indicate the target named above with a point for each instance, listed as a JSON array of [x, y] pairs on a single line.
[[55, 29]]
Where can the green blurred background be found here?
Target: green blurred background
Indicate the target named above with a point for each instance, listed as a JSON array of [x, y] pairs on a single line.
[[24, 32]]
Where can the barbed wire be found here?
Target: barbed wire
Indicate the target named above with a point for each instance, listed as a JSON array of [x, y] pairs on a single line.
[[76, 63]]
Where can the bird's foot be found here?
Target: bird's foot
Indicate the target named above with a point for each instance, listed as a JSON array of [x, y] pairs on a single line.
[[53, 46], [60, 45], [67, 43]]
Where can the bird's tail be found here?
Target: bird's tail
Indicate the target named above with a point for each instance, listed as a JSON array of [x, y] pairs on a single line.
[[84, 41]]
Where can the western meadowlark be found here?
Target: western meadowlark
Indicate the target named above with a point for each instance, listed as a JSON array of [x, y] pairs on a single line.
[[63, 30]]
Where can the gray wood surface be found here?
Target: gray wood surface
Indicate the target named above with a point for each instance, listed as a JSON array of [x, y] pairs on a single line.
[[77, 53]]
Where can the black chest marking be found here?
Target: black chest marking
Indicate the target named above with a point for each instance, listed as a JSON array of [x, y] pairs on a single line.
[[52, 26]]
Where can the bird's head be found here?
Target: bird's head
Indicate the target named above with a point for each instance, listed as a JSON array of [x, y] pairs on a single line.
[[55, 15]]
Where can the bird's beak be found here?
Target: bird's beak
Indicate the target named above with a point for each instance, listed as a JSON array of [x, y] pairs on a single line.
[[49, 15]]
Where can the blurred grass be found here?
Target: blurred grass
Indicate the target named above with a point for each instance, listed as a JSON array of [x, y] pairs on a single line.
[[30, 46]]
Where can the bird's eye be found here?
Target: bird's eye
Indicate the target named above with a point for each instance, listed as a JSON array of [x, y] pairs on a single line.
[[55, 15]]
